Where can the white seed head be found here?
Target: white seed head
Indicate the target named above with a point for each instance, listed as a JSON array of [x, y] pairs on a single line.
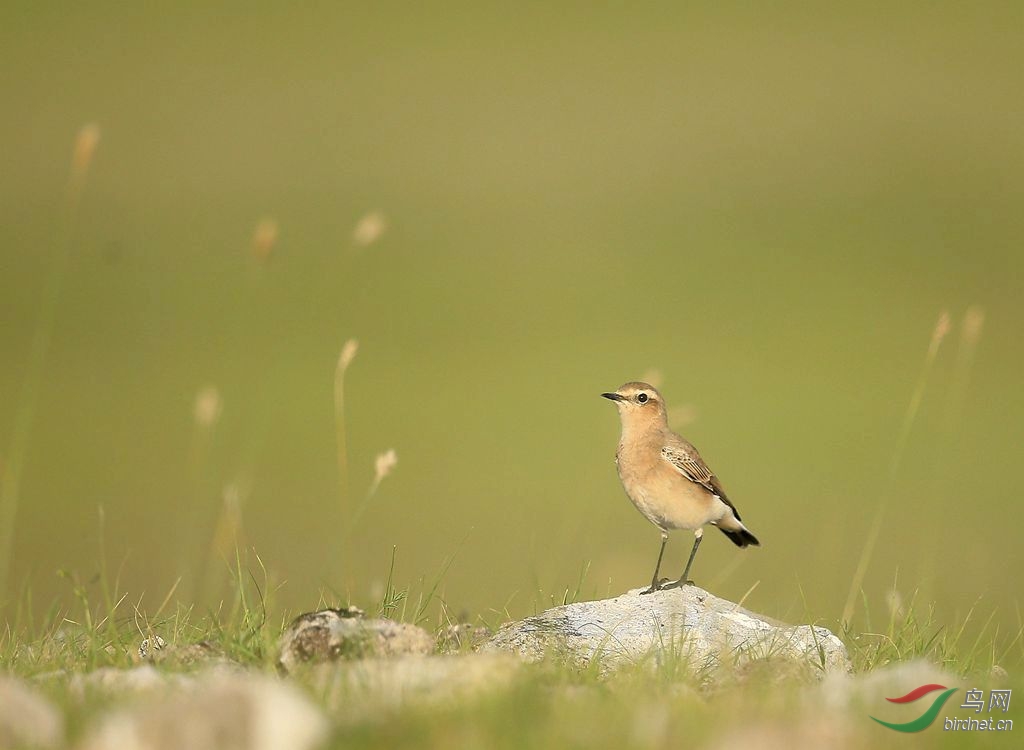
[[348, 353], [264, 237], [86, 141], [384, 464], [369, 229], [894, 601], [232, 498], [208, 406], [974, 321], [682, 415], [941, 328], [654, 376]]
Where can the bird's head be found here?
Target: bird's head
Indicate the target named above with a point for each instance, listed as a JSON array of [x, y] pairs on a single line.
[[638, 403]]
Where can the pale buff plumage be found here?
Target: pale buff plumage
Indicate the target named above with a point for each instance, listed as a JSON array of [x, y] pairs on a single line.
[[666, 478]]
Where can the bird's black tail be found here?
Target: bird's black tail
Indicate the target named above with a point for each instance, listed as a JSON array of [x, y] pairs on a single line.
[[741, 537]]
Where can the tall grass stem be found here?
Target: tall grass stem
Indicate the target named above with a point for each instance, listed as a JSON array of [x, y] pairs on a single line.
[[85, 146], [938, 334], [348, 353]]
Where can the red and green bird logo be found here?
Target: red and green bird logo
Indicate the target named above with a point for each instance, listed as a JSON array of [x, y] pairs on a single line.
[[925, 719]]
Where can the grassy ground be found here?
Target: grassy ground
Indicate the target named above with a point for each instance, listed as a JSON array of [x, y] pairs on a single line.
[[552, 704]]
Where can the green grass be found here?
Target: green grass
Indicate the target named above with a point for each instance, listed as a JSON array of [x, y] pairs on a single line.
[[656, 702]]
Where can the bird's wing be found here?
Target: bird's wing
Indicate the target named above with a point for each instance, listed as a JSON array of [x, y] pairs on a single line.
[[687, 461]]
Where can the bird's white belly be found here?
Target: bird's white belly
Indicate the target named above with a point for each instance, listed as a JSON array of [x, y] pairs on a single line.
[[678, 506]]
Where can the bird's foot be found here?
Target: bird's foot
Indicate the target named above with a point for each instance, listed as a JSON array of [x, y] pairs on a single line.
[[655, 586], [678, 584]]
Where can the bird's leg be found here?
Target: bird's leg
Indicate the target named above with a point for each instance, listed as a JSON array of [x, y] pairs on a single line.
[[655, 583], [683, 580]]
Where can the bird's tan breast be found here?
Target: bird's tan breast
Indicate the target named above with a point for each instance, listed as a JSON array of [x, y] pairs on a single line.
[[660, 492]]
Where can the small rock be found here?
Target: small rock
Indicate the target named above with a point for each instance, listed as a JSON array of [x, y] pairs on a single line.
[[462, 636], [356, 690], [54, 675], [834, 712], [189, 654], [334, 634], [817, 732], [26, 718], [869, 690], [687, 624], [998, 676], [350, 611], [151, 645], [193, 653], [114, 680], [216, 711]]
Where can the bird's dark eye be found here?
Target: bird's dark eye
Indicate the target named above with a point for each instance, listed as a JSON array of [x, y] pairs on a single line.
[[641, 398]]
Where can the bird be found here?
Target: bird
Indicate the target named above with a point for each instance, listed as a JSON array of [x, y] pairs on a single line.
[[667, 480]]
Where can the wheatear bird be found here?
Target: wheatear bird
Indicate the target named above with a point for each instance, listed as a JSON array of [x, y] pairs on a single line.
[[666, 478]]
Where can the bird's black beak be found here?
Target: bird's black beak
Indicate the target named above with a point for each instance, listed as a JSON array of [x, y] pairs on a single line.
[[614, 396]]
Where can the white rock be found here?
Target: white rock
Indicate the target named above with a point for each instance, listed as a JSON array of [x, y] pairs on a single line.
[[686, 624], [114, 680], [215, 711], [27, 719], [368, 687], [834, 713], [869, 690], [834, 733]]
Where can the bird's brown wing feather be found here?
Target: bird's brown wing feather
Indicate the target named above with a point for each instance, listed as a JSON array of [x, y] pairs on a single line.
[[685, 458]]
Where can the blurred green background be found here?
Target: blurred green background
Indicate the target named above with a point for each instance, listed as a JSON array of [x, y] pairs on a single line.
[[768, 207]]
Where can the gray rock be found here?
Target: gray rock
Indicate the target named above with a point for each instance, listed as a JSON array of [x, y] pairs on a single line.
[[688, 625], [215, 711], [336, 634], [27, 719]]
